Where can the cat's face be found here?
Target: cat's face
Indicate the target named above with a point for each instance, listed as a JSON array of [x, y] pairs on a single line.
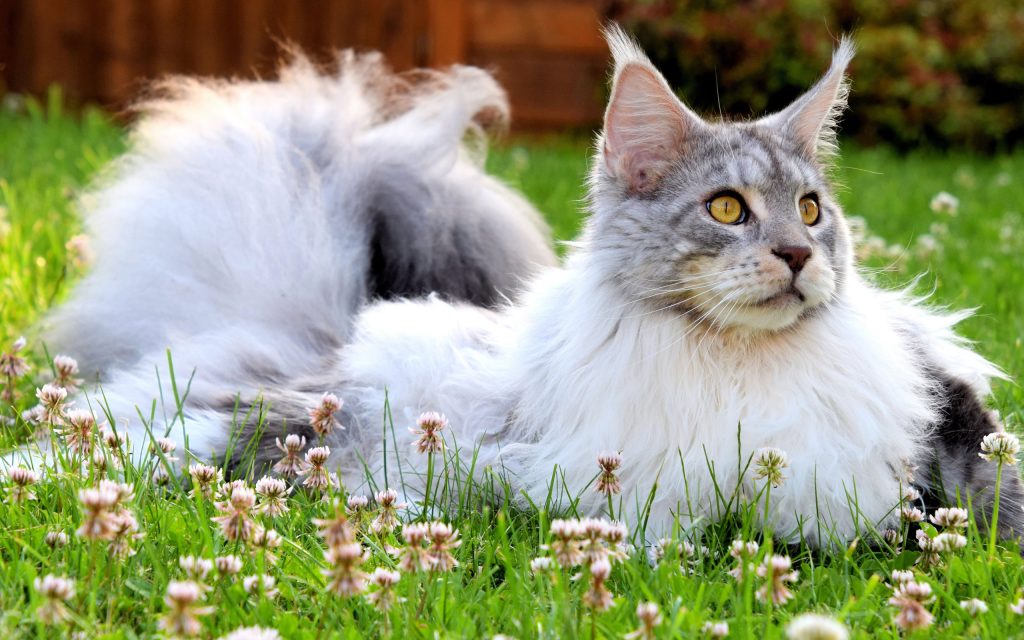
[[730, 224]]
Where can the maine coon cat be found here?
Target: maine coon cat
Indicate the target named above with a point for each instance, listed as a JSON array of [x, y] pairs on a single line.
[[712, 307]]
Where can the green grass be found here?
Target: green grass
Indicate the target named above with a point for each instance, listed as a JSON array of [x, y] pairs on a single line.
[[46, 158]]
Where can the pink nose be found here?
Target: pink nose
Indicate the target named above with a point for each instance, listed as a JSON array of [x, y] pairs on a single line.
[[794, 256]]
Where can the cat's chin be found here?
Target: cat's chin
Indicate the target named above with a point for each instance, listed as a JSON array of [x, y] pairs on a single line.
[[776, 313]]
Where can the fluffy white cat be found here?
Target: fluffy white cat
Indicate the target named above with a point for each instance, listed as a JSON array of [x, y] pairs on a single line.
[[711, 308]]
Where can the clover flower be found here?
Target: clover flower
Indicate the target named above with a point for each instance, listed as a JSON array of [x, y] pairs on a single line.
[[769, 463], [650, 618], [318, 477], [291, 465], [22, 481], [252, 633], [893, 538], [345, 573], [715, 629], [126, 530], [951, 541], [182, 617], [910, 598], [100, 521], [264, 585], [336, 530], [413, 556], [236, 514], [598, 597], [321, 417], [205, 479], [1018, 607], [814, 626], [116, 442], [592, 532], [56, 539], [79, 251], [56, 591], [608, 483], [387, 516], [66, 368], [911, 514], [974, 607], [950, 518], [356, 504], [776, 569], [743, 552], [12, 367], [268, 540], [383, 596], [899, 577], [443, 540], [944, 202], [540, 565], [196, 568], [228, 565], [11, 364], [273, 493], [165, 446], [564, 546], [226, 488], [78, 428], [428, 429], [1001, 447], [53, 400], [357, 510]]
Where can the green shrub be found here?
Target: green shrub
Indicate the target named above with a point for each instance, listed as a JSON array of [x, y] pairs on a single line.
[[928, 73]]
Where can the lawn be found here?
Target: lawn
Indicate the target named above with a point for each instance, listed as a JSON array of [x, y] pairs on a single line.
[[969, 257]]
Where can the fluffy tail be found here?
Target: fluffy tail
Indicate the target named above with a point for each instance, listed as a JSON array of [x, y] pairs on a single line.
[[277, 208]]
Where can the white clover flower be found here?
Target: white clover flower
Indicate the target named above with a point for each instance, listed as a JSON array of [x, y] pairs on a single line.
[[256, 584], [950, 518], [540, 565], [899, 577], [715, 629], [974, 606], [769, 463], [911, 514], [814, 626], [944, 202], [252, 633], [649, 616], [1000, 447]]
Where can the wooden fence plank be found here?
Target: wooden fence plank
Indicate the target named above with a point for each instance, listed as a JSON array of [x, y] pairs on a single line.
[[549, 52], [536, 25]]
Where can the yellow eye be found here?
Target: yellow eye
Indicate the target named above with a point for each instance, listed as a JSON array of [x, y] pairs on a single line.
[[726, 209], [809, 209]]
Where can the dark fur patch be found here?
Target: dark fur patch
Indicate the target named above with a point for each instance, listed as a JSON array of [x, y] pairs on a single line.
[[955, 468]]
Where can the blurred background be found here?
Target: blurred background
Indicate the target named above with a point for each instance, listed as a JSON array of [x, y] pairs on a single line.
[[939, 73]]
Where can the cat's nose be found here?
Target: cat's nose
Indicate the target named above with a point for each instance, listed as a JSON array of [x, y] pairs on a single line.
[[795, 256]]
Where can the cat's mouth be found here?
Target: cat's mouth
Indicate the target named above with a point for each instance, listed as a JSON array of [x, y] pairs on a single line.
[[784, 298]]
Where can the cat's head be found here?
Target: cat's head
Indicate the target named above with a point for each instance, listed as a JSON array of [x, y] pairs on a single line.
[[732, 223]]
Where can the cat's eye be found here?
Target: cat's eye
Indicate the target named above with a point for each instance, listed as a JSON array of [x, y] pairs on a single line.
[[809, 210], [727, 209]]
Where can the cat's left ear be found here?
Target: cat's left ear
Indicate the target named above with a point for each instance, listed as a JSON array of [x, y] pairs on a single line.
[[811, 120]]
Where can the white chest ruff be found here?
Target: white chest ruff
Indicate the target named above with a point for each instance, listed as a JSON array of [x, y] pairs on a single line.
[[845, 397]]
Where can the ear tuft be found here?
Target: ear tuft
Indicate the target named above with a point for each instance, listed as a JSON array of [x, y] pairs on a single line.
[[813, 118], [645, 125]]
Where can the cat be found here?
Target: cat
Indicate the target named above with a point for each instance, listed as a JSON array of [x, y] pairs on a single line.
[[711, 307]]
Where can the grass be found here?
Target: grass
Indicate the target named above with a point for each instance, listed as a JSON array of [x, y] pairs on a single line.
[[46, 158]]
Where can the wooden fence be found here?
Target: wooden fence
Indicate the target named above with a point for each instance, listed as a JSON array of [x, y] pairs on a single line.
[[548, 53]]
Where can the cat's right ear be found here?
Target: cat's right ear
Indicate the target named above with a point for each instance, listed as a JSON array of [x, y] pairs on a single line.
[[645, 125]]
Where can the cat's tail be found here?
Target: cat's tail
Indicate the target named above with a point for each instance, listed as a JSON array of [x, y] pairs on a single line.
[[277, 208]]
